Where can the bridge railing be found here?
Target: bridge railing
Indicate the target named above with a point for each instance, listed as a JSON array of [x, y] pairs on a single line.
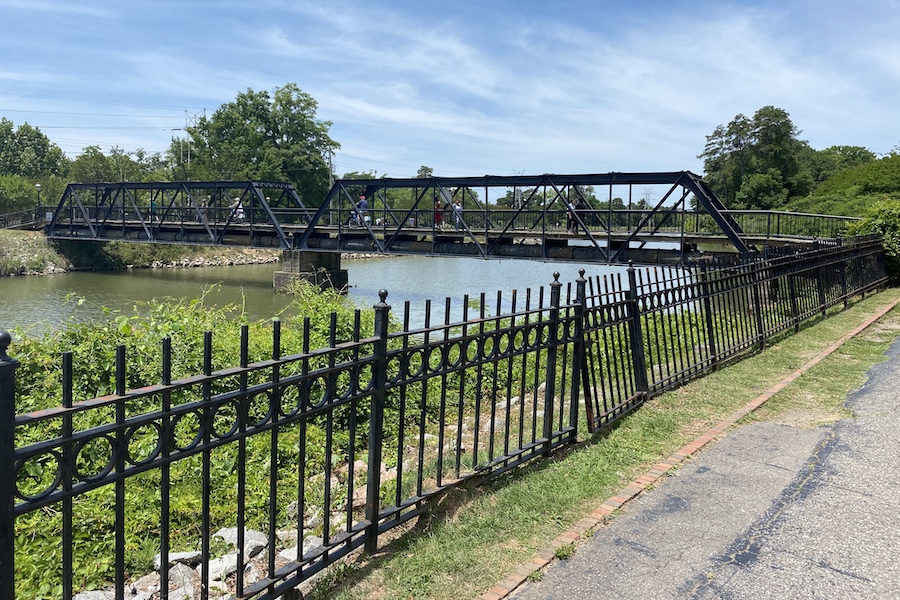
[[23, 218], [468, 221], [768, 224], [329, 447]]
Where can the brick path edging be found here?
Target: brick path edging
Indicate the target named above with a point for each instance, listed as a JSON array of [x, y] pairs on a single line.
[[597, 517]]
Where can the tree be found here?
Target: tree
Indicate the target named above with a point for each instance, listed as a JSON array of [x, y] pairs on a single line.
[[27, 152], [258, 136], [92, 166], [754, 162]]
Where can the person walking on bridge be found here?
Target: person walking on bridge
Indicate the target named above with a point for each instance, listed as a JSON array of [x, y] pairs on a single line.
[[457, 214], [438, 215], [361, 207]]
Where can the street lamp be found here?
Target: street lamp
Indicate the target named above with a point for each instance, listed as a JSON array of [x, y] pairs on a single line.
[[37, 186]]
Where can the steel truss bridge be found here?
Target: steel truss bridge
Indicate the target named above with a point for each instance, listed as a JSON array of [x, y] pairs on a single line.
[[488, 217]]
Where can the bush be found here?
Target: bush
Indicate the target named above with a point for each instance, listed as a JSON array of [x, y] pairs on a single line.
[[884, 218]]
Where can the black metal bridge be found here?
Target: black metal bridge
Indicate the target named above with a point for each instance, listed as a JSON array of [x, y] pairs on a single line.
[[490, 217]]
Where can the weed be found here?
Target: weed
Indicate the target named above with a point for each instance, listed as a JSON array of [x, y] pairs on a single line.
[[565, 551]]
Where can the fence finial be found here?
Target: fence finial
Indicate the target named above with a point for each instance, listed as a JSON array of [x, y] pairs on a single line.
[[5, 341]]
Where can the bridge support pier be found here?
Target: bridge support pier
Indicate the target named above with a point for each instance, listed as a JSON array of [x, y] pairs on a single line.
[[320, 268]]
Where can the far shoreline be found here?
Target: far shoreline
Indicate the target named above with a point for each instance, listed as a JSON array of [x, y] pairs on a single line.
[[29, 253]]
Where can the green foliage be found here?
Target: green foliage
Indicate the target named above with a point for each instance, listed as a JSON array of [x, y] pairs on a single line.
[[565, 552], [266, 137], [874, 177], [92, 166], [26, 152], [753, 163], [884, 218], [24, 252], [111, 256]]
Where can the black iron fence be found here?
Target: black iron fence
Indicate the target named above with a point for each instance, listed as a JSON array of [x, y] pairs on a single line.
[[335, 445]]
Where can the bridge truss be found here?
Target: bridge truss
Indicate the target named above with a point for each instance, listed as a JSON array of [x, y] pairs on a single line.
[[535, 225], [214, 213], [489, 216]]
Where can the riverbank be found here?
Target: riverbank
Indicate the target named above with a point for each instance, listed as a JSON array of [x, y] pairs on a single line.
[[30, 253]]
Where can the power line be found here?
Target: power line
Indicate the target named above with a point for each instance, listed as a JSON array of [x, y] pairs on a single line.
[[85, 114]]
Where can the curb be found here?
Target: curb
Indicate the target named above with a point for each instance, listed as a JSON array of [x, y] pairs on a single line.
[[597, 517]]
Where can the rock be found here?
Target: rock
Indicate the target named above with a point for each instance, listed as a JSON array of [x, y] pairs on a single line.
[[359, 496], [220, 568], [314, 520], [287, 536], [499, 424], [187, 558], [254, 541], [182, 581], [310, 544], [148, 584], [252, 574], [96, 595], [289, 554]]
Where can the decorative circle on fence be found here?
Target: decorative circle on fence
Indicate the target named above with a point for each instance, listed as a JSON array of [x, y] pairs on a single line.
[[435, 359], [225, 421], [38, 476], [318, 392], [472, 351], [187, 431], [366, 382], [94, 458], [504, 343], [415, 365], [290, 399], [454, 356], [260, 409], [394, 368], [143, 444]]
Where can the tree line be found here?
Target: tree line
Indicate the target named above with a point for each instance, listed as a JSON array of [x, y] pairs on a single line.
[[259, 135], [756, 162], [761, 163]]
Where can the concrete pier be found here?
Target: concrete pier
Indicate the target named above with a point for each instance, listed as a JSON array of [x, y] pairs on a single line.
[[320, 268]]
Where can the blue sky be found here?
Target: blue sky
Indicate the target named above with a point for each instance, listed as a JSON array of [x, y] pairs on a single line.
[[467, 88]]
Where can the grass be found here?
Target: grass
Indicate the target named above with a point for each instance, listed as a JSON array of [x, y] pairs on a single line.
[[29, 252], [23, 252], [476, 536]]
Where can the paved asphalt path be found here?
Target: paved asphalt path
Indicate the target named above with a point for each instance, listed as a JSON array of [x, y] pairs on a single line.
[[770, 511]]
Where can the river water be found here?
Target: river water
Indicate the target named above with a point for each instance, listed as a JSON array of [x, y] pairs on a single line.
[[43, 302]]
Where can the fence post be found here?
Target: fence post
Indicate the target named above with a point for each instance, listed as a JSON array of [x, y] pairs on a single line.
[[795, 309], [707, 309], [760, 276], [843, 272], [376, 421], [820, 279], [578, 354], [638, 360], [550, 380], [8, 367]]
